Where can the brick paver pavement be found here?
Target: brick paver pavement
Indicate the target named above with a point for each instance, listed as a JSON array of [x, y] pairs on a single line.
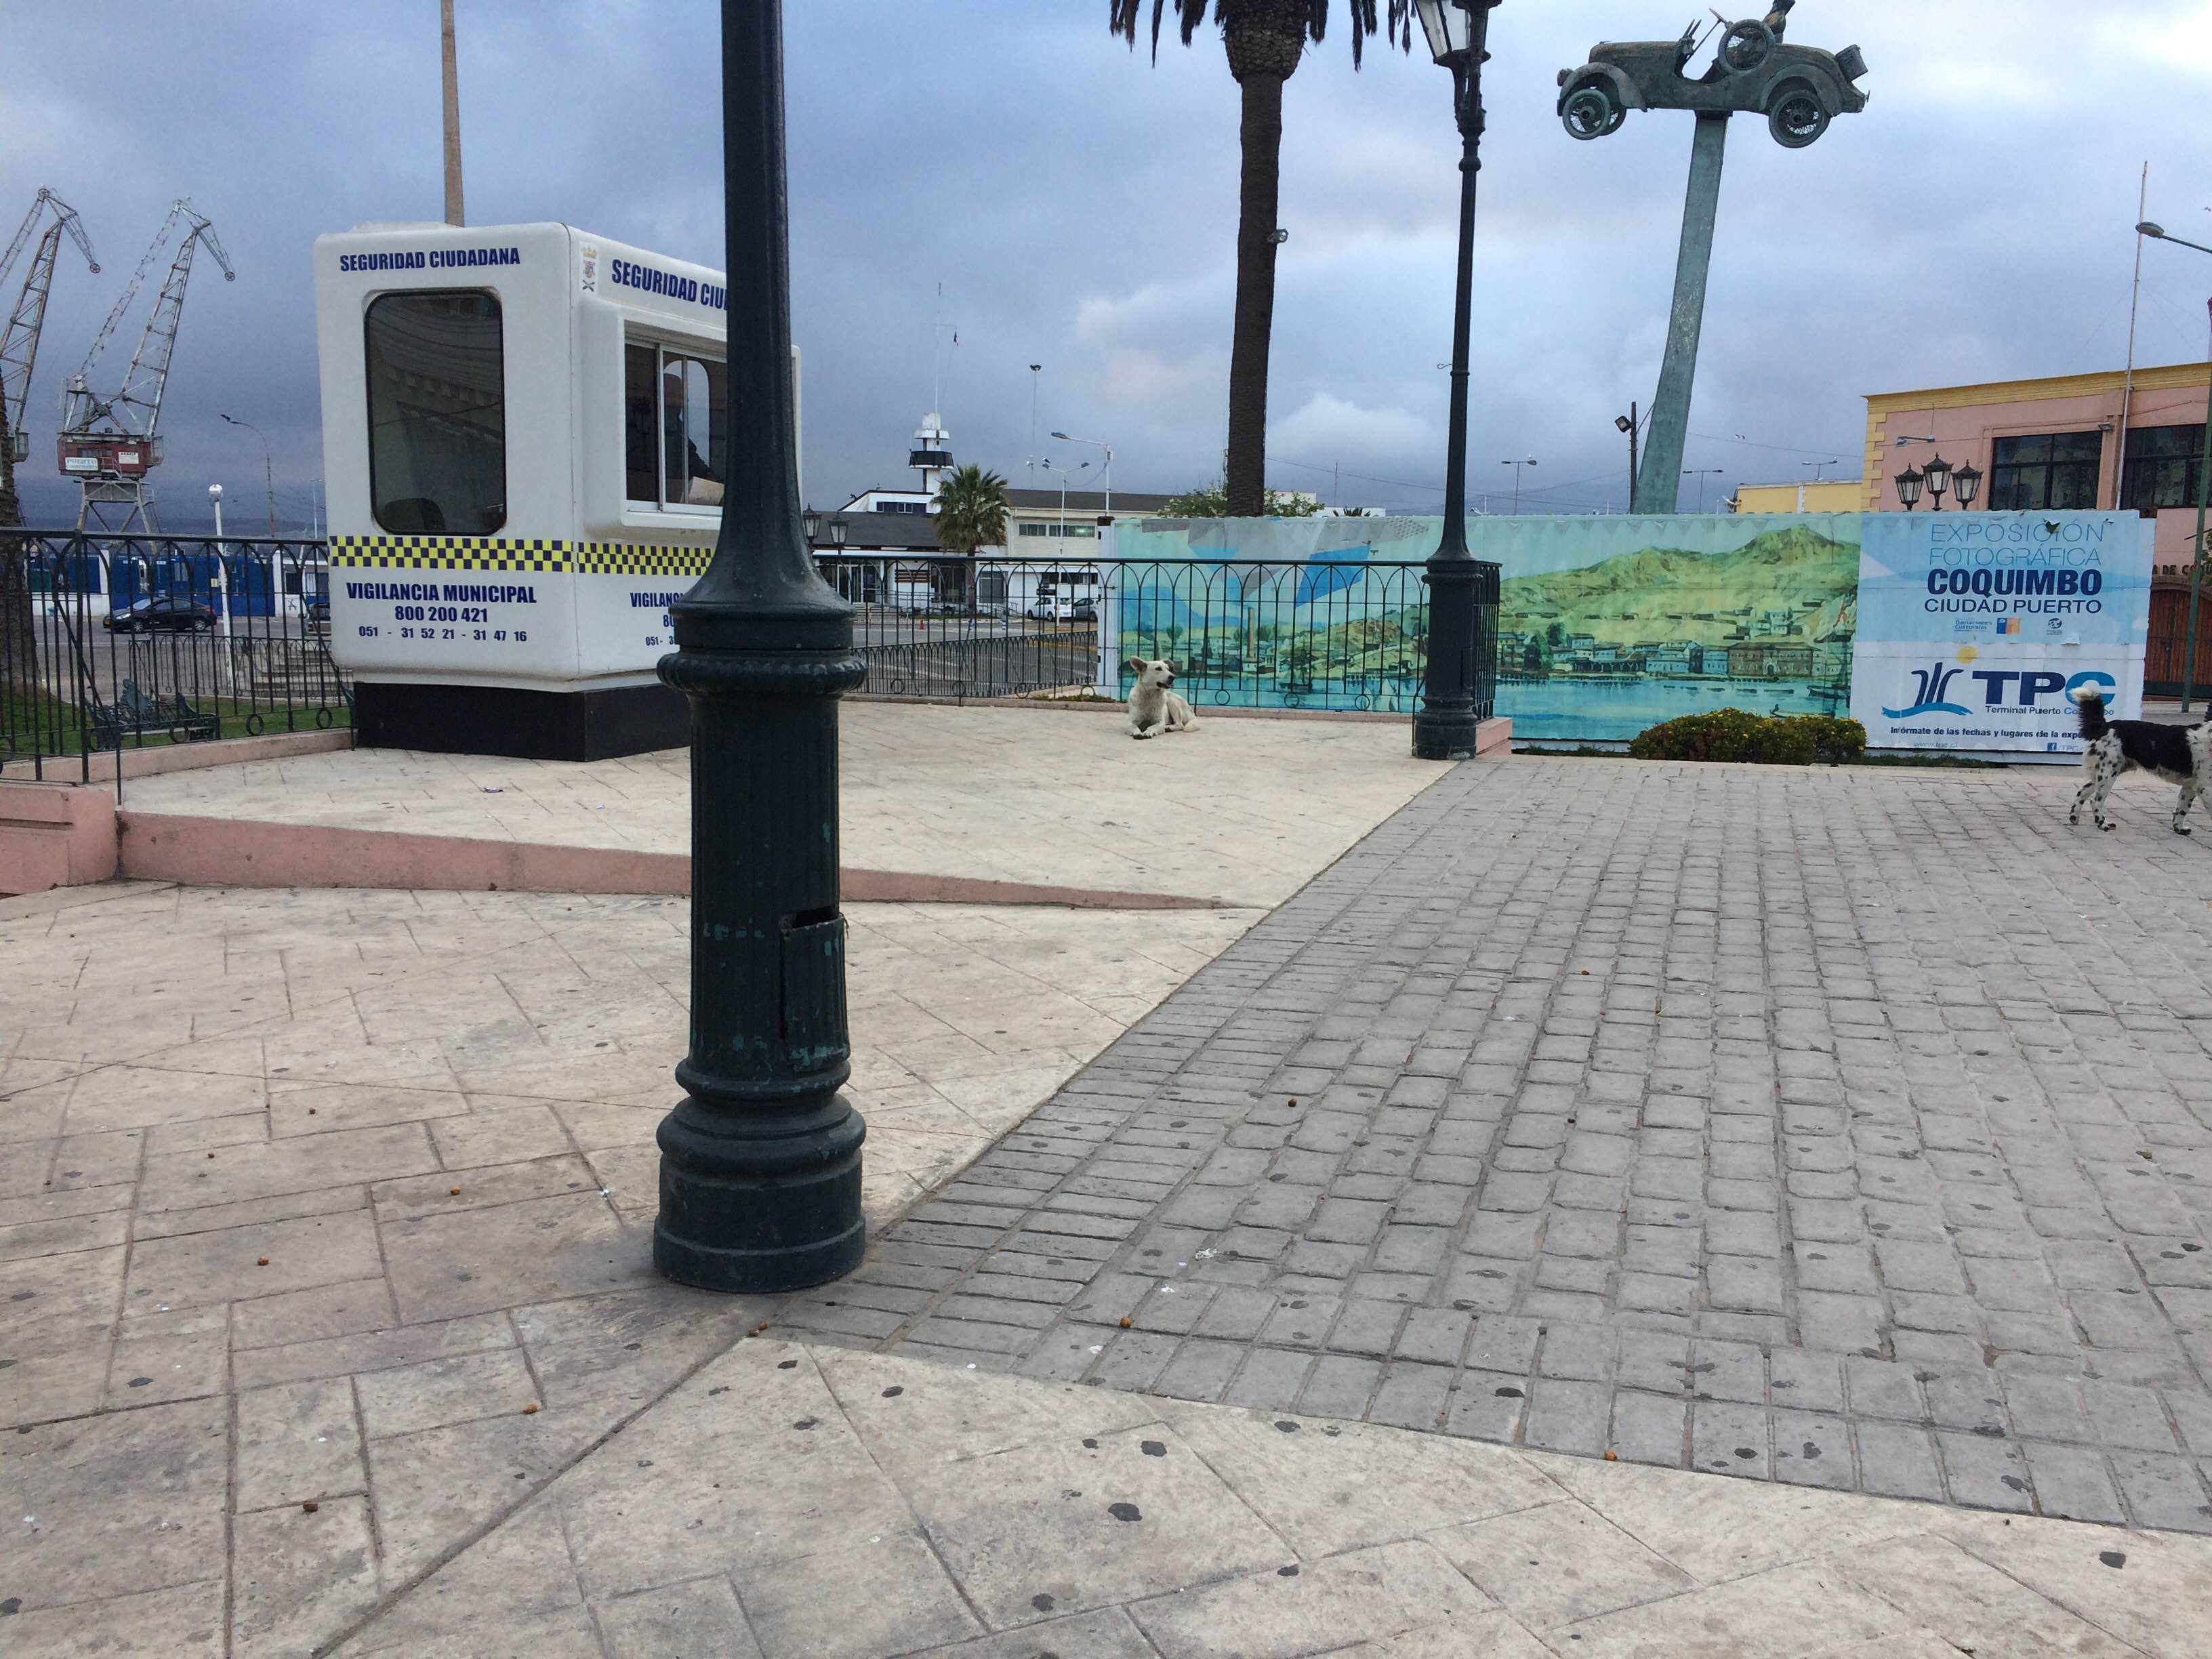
[[1842, 1128]]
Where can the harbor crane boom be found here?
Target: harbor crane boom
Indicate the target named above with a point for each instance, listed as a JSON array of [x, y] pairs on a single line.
[[19, 340], [109, 444]]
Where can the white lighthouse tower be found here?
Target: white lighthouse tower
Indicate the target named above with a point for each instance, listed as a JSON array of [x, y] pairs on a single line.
[[931, 454]]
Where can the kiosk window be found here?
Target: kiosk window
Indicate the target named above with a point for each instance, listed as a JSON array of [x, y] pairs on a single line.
[[676, 427], [437, 414]]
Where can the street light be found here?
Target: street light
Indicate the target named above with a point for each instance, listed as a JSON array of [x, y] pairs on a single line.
[[1701, 473], [1965, 484], [1629, 423], [1517, 466], [760, 1162], [268, 467], [1107, 478], [1908, 487], [1445, 727], [2158, 232]]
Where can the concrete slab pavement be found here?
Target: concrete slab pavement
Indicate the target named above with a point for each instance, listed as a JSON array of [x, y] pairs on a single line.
[[1243, 811]]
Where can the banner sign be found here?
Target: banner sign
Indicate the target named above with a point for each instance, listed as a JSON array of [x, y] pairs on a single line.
[[1976, 628]]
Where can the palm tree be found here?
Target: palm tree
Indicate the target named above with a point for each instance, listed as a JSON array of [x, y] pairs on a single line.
[[971, 512], [1264, 40]]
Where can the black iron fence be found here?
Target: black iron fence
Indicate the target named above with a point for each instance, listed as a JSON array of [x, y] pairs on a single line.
[[112, 642], [1320, 634]]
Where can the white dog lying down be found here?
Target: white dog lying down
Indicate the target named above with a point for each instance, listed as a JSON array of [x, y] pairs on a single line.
[[1152, 707]]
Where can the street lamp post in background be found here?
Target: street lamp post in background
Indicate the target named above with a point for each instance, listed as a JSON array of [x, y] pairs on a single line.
[[1701, 473], [1628, 424], [1517, 466], [760, 1162], [1445, 727], [268, 467], [1107, 476], [2158, 232]]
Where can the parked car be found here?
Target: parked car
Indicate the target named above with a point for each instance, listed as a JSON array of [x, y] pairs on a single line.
[[162, 613], [1799, 89]]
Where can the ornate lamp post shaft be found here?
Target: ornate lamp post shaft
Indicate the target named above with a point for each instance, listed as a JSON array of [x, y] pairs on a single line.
[[1445, 727], [760, 1168]]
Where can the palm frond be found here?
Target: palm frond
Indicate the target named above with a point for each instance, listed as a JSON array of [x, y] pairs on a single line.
[[1127, 13], [1394, 24]]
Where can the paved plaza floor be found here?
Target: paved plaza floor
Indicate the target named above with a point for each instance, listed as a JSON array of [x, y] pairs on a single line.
[[1243, 811], [1589, 1126], [1842, 1127]]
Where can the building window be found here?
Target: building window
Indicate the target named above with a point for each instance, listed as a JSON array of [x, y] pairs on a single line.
[[2164, 467], [676, 428], [2055, 472], [437, 414], [903, 507], [1060, 530]]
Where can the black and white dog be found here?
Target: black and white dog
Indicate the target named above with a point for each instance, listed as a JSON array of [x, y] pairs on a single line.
[[2180, 754]]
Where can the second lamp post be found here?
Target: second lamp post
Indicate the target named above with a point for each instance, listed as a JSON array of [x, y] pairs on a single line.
[[1445, 727]]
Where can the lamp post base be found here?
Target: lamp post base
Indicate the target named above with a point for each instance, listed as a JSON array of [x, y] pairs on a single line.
[[1448, 734], [760, 1206]]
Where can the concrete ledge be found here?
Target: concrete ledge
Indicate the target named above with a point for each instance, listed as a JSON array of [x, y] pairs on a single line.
[[1488, 740], [54, 834], [189, 757], [230, 852]]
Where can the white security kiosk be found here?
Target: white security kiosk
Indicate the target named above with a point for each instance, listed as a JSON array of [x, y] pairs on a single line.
[[524, 431]]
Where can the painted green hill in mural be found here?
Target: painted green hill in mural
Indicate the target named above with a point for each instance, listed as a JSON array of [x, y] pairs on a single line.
[[1671, 594]]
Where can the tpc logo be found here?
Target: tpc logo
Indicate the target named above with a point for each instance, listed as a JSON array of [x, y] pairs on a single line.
[[1932, 687], [1929, 685]]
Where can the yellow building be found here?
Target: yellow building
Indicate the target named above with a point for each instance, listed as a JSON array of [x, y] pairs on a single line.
[[1819, 495]]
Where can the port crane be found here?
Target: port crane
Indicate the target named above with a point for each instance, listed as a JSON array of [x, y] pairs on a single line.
[[109, 444], [19, 340]]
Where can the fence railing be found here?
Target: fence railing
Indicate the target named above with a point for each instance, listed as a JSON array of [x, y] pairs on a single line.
[[1319, 634], [112, 642]]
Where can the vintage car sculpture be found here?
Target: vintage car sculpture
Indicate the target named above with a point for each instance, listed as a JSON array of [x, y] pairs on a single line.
[[1799, 89]]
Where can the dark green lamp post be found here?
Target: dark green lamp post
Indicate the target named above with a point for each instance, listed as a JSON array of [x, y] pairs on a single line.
[[760, 1163], [1445, 727]]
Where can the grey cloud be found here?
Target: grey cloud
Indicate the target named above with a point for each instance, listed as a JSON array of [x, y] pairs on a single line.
[[1078, 203]]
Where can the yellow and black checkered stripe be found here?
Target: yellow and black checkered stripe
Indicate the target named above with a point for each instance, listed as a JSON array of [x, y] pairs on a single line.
[[480, 553], [448, 553], [640, 559]]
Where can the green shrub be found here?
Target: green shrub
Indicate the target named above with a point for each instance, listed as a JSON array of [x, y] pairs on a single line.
[[1835, 742], [1736, 735]]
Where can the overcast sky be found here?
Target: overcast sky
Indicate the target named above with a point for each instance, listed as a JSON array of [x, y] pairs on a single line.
[[1078, 204]]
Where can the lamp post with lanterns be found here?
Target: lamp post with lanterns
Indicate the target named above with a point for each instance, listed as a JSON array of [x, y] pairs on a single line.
[[1938, 478], [760, 1162], [1446, 726]]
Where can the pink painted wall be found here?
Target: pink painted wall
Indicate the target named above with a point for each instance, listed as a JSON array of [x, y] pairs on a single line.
[[54, 834]]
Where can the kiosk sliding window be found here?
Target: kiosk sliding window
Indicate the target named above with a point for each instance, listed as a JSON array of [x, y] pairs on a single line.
[[437, 414], [676, 427]]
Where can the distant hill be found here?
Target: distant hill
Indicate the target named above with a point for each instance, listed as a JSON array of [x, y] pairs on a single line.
[[1672, 594]]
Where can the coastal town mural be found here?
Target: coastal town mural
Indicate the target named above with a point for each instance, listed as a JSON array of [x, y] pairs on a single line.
[[1606, 625]]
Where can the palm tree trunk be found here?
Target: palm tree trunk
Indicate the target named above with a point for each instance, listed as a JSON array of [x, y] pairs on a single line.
[[1263, 138]]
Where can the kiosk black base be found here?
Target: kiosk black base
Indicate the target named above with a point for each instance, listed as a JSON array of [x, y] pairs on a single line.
[[474, 719]]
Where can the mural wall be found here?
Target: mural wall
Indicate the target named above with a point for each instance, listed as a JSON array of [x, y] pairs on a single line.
[[1610, 625], [1607, 626]]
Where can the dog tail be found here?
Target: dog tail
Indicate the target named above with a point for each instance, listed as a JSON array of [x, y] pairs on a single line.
[[2091, 703]]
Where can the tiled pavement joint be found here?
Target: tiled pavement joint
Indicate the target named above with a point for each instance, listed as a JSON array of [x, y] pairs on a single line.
[[1839, 1128]]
